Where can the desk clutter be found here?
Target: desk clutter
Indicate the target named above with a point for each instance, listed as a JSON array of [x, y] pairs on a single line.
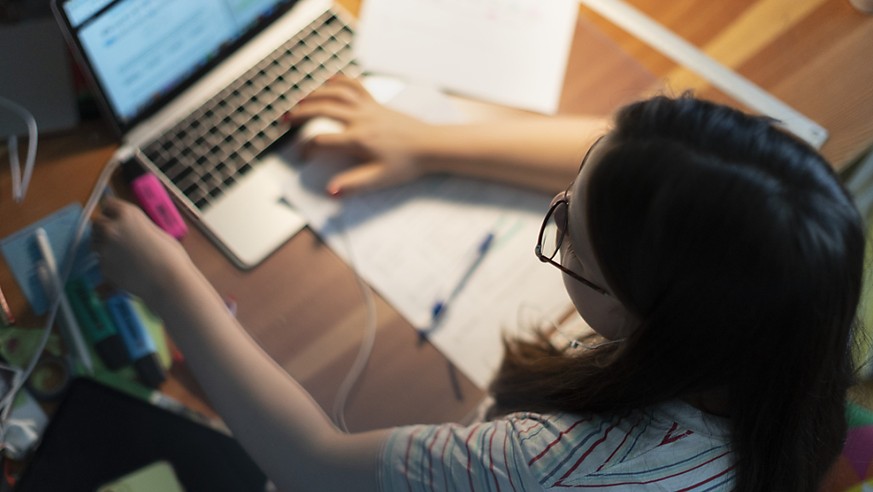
[[95, 318], [103, 334], [111, 429]]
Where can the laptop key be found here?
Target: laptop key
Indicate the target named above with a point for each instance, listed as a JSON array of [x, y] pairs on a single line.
[[213, 147]]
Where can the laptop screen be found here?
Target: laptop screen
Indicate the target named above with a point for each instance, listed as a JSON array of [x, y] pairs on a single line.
[[142, 52]]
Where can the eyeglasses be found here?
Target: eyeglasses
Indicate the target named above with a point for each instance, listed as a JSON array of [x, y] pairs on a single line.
[[554, 229], [552, 234]]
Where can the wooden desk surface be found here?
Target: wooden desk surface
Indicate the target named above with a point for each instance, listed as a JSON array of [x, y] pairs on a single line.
[[303, 305], [814, 55]]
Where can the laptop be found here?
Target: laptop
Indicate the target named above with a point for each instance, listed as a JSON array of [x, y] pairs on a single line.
[[197, 89]]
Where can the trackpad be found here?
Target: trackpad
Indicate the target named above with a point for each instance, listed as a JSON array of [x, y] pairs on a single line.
[[253, 219]]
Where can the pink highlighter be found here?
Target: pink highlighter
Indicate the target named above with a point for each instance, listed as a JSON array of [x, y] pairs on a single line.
[[154, 200]]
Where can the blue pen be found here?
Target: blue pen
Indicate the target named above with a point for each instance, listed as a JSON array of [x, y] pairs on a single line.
[[441, 305]]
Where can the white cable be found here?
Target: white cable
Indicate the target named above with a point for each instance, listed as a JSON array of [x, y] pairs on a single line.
[[19, 182], [14, 166], [558, 336], [366, 348], [7, 402]]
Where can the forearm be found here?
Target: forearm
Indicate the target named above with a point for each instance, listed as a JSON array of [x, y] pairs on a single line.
[[271, 414], [390, 147], [540, 153]]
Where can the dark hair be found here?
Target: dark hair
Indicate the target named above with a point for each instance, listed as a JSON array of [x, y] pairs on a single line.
[[741, 254]]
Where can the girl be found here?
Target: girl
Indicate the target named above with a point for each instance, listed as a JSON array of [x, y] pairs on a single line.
[[719, 257]]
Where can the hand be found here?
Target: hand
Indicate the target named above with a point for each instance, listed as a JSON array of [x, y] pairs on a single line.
[[389, 145], [135, 255]]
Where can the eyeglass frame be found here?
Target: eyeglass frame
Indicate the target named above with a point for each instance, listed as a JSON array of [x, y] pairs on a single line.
[[538, 250]]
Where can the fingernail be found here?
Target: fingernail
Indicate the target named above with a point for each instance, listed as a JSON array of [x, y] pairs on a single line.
[[335, 191], [286, 117]]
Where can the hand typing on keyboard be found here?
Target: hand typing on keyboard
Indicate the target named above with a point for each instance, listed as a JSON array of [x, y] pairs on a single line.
[[204, 154], [319, 125], [389, 146]]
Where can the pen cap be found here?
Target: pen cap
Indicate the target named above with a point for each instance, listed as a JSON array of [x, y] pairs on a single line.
[[112, 352], [149, 370], [131, 170], [154, 199]]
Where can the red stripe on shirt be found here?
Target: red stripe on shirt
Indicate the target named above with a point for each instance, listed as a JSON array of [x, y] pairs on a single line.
[[491, 456], [670, 438], [436, 436], [443, 457], [470, 456], [556, 441], [585, 454], [626, 435], [506, 459], [533, 426]]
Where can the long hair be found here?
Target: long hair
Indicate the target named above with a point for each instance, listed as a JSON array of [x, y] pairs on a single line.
[[741, 254]]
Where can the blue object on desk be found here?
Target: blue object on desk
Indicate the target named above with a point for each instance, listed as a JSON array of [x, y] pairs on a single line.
[[140, 347], [441, 305], [22, 254]]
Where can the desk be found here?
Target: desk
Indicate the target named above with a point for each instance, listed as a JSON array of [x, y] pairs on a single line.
[[303, 305], [812, 54]]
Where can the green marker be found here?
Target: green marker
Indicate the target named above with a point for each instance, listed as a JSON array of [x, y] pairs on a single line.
[[97, 325]]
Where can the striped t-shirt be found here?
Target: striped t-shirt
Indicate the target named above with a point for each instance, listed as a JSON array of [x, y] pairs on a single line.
[[672, 446]]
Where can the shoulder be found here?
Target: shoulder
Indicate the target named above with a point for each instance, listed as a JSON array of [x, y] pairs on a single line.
[[665, 447], [669, 446]]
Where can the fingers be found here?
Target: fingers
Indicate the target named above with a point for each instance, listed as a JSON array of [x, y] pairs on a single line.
[[356, 180], [304, 112], [360, 179], [351, 84], [111, 207], [133, 252], [339, 93], [337, 99], [103, 223], [344, 143], [99, 232], [114, 214]]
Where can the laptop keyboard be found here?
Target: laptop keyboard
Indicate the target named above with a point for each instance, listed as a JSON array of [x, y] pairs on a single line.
[[207, 152]]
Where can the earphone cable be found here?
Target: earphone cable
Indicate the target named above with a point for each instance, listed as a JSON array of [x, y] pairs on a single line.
[[367, 343]]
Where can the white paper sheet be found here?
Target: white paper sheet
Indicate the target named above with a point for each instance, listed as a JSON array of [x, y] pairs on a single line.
[[413, 244], [511, 52]]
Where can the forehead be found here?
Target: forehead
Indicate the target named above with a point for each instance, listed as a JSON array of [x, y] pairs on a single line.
[[578, 190]]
